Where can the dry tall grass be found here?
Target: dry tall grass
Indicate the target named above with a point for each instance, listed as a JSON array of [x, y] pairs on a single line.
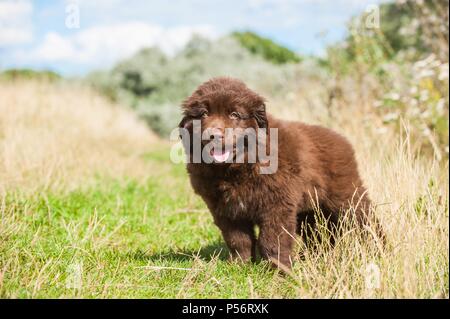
[[56, 136]]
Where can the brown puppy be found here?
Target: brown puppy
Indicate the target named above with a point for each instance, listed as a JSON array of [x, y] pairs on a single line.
[[315, 165]]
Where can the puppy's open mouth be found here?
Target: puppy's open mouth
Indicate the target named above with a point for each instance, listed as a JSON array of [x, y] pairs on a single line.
[[220, 155]]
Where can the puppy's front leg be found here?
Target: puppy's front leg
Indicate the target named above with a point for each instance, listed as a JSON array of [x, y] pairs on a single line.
[[276, 238], [239, 236]]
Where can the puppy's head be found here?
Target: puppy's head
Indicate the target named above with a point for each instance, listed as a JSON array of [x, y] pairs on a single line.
[[221, 104]]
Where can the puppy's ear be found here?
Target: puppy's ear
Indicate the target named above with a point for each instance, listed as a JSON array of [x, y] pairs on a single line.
[[260, 116], [184, 125], [185, 135], [183, 122]]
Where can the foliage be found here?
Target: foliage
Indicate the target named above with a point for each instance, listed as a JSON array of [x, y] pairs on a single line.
[[411, 29], [400, 66], [155, 84], [29, 74], [266, 48]]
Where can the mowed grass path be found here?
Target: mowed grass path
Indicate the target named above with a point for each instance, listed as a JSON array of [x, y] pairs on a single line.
[[123, 239]]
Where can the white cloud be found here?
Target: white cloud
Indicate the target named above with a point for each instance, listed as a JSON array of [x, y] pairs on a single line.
[[15, 22], [103, 45]]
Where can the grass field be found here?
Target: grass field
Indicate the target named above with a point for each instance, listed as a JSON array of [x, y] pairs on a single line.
[[92, 207]]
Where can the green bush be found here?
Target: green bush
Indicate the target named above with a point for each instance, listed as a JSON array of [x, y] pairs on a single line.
[[402, 65], [408, 31], [27, 74], [266, 48], [155, 84]]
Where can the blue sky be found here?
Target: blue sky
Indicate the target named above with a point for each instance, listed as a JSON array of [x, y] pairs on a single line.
[[36, 34]]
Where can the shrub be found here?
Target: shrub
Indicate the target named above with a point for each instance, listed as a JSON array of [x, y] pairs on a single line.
[[28, 74], [156, 84], [266, 48], [401, 69]]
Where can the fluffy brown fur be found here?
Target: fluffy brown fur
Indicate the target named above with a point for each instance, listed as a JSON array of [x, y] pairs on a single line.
[[315, 165]]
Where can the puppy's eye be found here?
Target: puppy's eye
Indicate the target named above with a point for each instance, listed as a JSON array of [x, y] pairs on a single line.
[[235, 116], [204, 114]]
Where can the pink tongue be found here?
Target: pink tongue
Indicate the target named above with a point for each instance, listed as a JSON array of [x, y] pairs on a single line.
[[219, 156]]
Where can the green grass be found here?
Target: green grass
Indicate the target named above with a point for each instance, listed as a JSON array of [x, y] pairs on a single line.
[[118, 233], [155, 239]]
